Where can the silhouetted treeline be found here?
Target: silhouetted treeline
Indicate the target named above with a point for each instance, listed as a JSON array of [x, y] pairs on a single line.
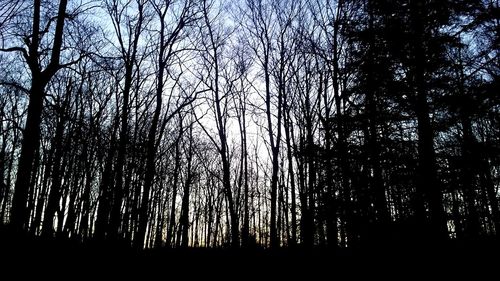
[[245, 123]]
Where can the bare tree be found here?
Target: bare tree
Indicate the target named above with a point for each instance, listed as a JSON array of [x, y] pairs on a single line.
[[213, 38], [128, 26], [169, 34], [42, 71]]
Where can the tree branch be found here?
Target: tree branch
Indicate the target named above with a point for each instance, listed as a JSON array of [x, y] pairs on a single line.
[[16, 49]]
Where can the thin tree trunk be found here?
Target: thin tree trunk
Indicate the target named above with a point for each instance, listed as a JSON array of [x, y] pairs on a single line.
[[105, 192], [291, 172], [487, 181], [171, 225], [55, 188], [182, 237], [472, 225]]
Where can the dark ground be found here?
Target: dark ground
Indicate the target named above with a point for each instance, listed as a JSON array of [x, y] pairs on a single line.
[[22, 256]]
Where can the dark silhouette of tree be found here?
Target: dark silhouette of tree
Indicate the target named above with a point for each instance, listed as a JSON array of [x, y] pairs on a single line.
[[167, 40], [212, 45], [41, 74]]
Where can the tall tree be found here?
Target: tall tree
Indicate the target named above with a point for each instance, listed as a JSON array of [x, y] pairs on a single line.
[[168, 37], [41, 72], [213, 46], [129, 20]]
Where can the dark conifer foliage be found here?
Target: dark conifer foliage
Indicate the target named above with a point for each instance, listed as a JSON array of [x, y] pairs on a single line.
[[251, 124]]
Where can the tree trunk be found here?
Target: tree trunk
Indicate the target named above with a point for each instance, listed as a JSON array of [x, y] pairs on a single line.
[[331, 208], [428, 185], [182, 238], [373, 146], [30, 143], [177, 164], [487, 181], [291, 173], [472, 225], [115, 218], [275, 145], [31, 135], [150, 157], [55, 188], [105, 192]]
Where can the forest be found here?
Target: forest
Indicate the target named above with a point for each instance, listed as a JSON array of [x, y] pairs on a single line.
[[266, 124]]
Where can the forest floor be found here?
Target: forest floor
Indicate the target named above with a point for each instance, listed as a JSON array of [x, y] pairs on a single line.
[[27, 256]]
